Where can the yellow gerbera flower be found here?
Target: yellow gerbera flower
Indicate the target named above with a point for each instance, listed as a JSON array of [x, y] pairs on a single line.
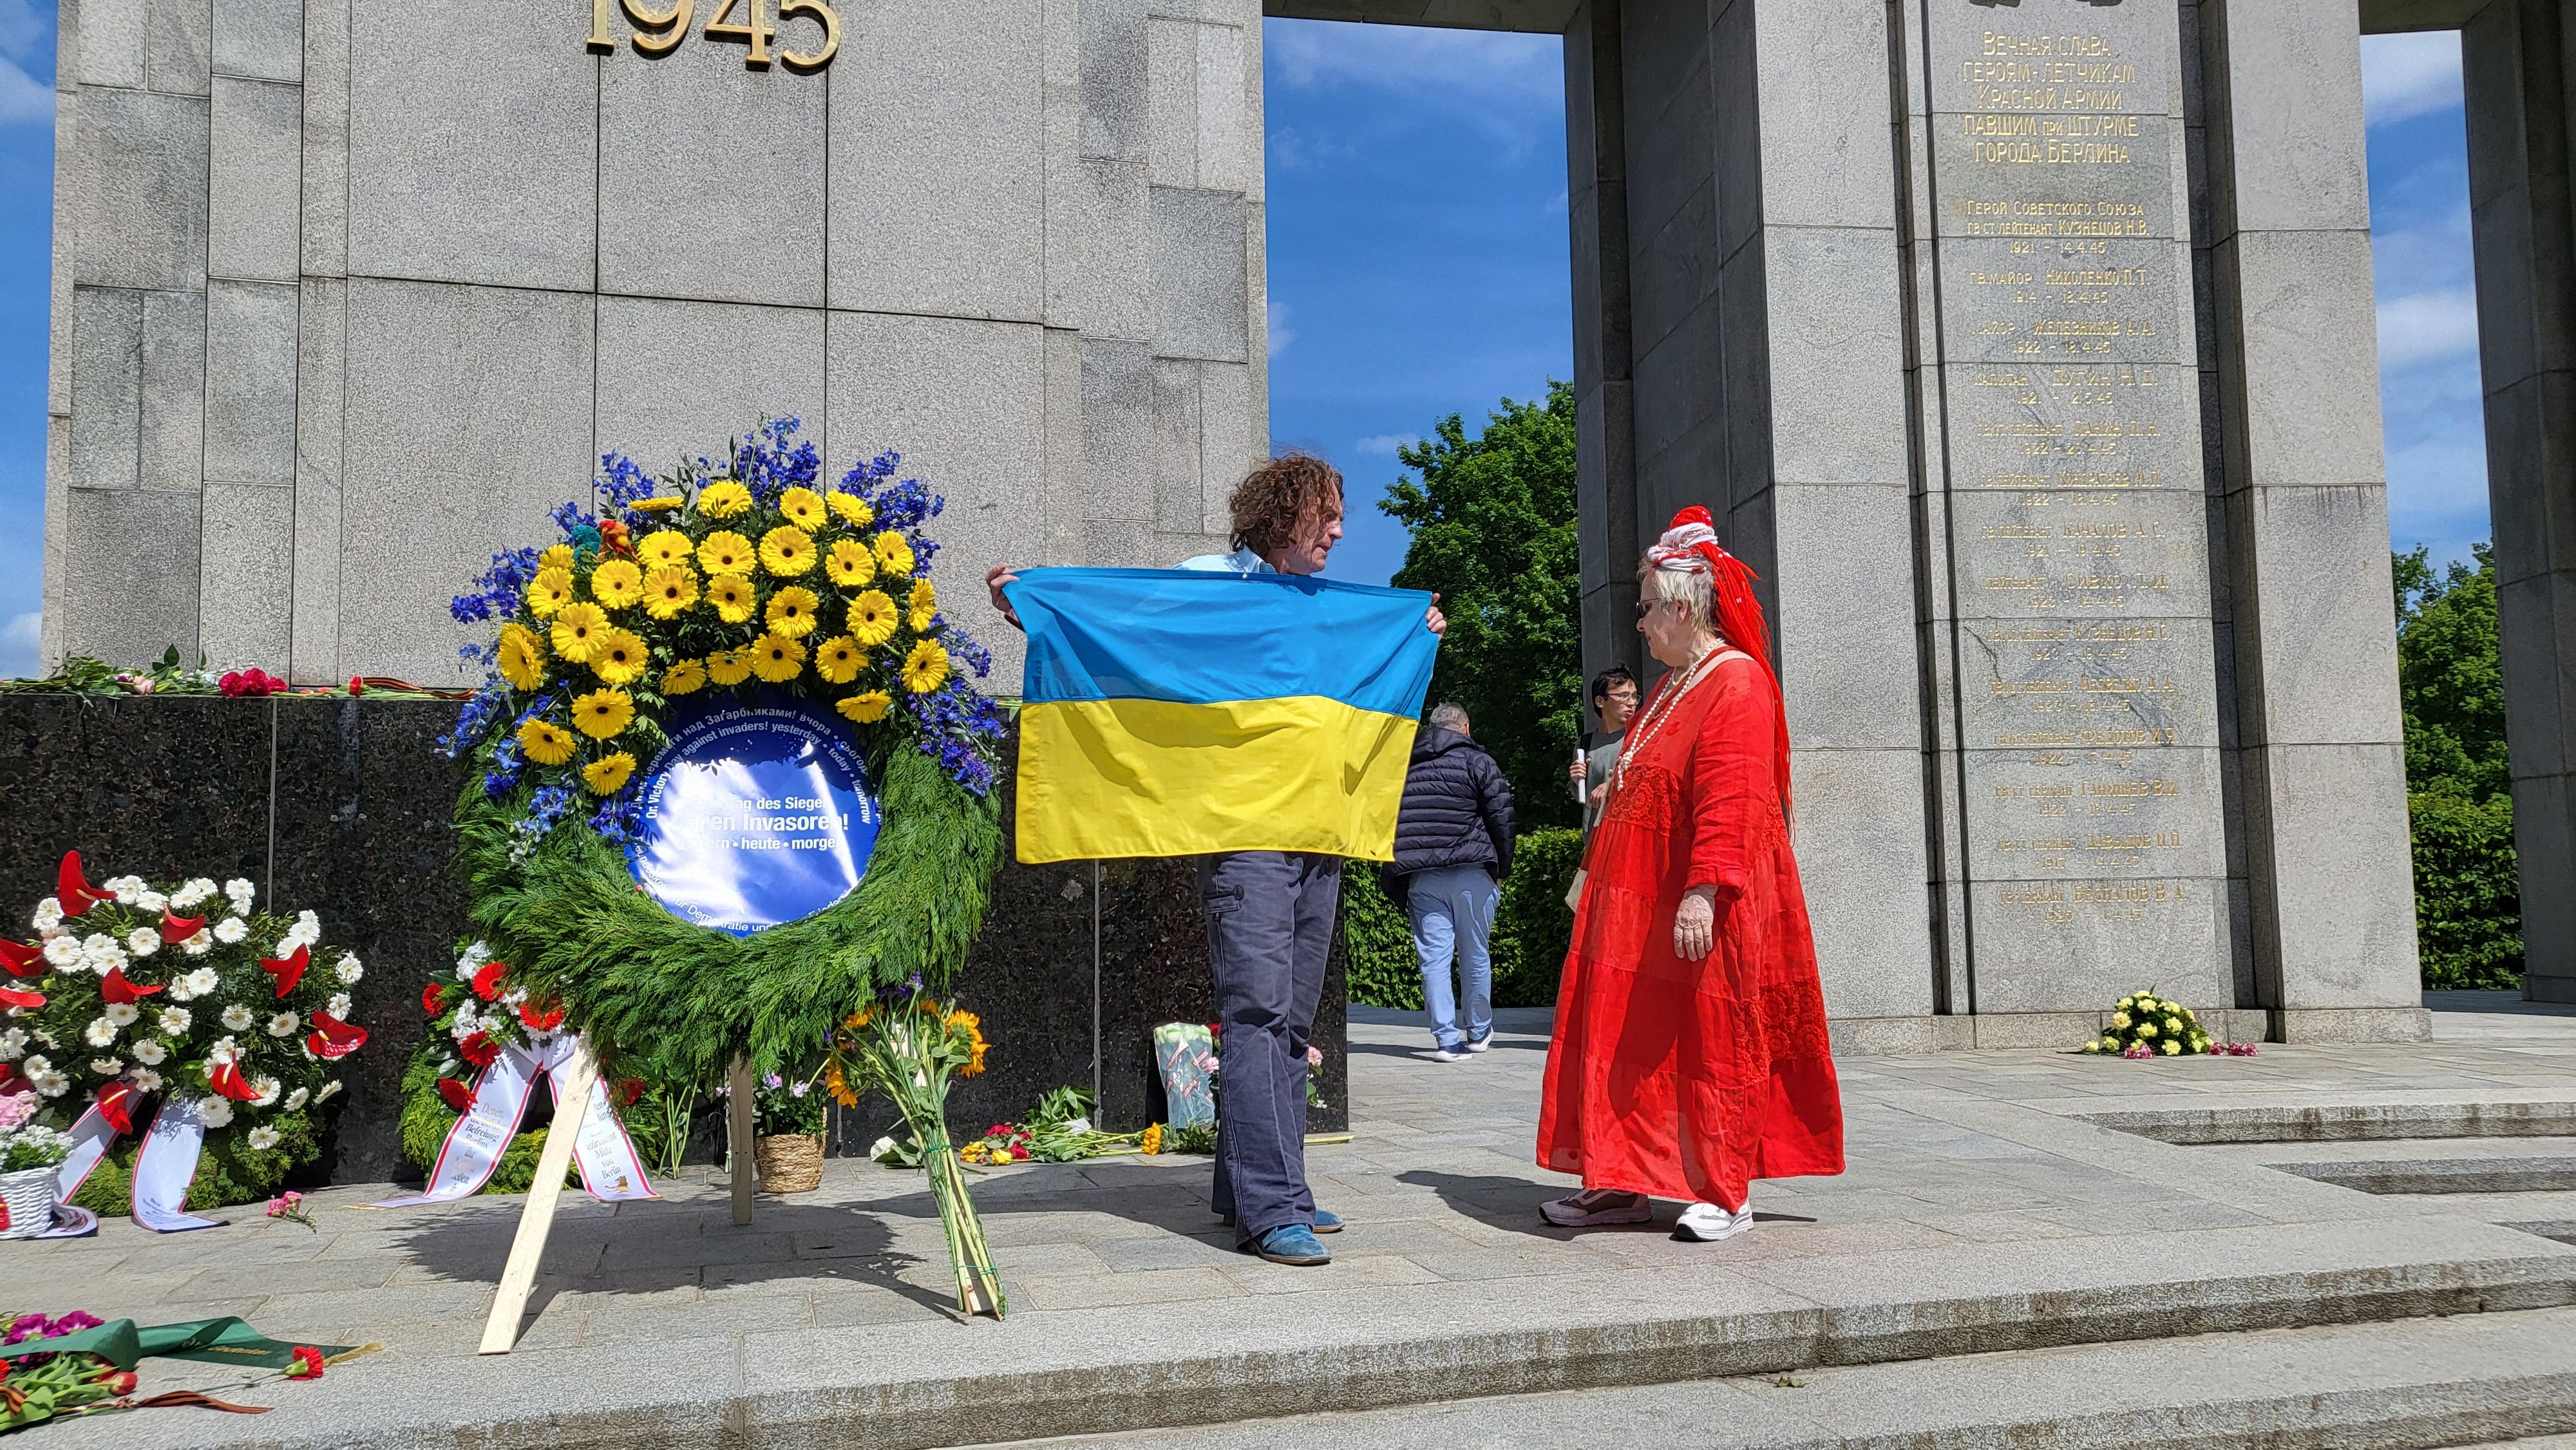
[[866, 709], [577, 631], [685, 677], [803, 508], [725, 552], [776, 658], [728, 666], [556, 556], [872, 618], [723, 499], [852, 509], [550, 590], [851, 564], [545, 743], [926, 668], [787, 551], [618, 657], [791, 612], [607, 775], [925, 603], [617, 584], [656, 505], [669, 590], [664, 546], [602, 714], [523, 656], [838, 659], [894, 556], [731, 595]]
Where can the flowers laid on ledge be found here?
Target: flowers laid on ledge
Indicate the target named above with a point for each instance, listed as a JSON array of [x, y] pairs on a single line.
[[2145, 1025], [907, 1045]]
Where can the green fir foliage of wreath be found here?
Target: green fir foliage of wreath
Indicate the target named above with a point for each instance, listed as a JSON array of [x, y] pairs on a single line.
[[674, 1002], [229, 1171]]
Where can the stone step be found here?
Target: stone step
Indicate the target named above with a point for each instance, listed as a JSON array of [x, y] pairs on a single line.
[[2481, 1174], [2345, 1122], [2394, 1386]]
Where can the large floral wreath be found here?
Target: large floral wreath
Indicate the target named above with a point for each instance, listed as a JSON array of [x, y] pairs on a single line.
[[746, 576]]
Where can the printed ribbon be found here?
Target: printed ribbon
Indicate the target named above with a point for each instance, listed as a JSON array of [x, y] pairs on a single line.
[[610, 1170], [160, 1178]]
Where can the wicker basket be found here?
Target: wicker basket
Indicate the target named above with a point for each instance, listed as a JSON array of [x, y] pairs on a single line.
[[789, 1162], [29, 1194]]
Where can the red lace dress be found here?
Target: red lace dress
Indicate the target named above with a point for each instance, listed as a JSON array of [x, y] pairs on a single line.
[[1689, 1079]]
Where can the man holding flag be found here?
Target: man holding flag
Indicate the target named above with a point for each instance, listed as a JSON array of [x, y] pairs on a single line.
[[1259, 719]]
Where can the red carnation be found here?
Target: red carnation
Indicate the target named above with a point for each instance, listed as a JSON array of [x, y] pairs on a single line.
[[73, 890], [479, 1049], [115, 988], [487, 982], [433, 999], [332, 1038], [176, 929], [357, 684], [22, 960], [289, 970], [455, 1094], [308, 1364], [540, 1021], [119, 1382]]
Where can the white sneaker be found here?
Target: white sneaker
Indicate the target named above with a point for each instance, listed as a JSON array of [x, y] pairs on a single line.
[[1447, 1054], [1706, 1223], [1594, 1207], [1480, 1044]]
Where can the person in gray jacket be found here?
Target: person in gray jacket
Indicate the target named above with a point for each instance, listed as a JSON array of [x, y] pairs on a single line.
[[1453, 847]]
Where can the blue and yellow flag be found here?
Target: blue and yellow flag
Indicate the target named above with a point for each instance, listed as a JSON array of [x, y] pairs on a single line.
[[1170, 713]]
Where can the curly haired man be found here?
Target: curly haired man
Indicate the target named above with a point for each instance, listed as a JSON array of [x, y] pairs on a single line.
[[1269, 913]]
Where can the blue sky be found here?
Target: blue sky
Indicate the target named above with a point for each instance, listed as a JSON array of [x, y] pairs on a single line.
[[1417, 234]]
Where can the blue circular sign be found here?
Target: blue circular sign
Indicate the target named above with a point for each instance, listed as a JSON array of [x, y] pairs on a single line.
[[754, 815]]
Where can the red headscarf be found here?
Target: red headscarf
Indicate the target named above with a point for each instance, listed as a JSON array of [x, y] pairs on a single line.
[[1690, 546]]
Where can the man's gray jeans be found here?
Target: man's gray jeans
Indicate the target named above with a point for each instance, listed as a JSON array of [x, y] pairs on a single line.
[[1270, 927]]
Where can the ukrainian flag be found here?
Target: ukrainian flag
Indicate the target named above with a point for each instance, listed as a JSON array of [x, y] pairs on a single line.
[[1171, 713]]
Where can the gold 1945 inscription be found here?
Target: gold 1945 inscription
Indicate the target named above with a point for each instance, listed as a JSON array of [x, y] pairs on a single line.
[[659, 32]]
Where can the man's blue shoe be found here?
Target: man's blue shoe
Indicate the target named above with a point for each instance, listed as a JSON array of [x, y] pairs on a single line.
[[1326, 1222], [1290, 1243]]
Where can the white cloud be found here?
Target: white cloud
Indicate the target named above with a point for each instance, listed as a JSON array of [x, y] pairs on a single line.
[[2427, 326], [18, 646], [26, 62], [2409, 75], [1306, 55], [23, 98], [1281, 334], [1385, 444]]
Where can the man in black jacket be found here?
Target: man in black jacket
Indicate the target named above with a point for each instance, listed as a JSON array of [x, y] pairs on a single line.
[[1453, 847]]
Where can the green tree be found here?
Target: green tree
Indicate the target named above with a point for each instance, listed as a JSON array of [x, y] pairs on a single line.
[[2468, 908], [1493, 534]]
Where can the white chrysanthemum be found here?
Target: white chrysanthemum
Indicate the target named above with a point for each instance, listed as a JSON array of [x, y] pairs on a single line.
[[236, 1018], [214, 1112], [267, 1088], [124, 888], [349, 971], [200, 944], [338, 1006], [153, 902], [51, 1084], [37, 1066], [231, 930], [99, 1033], [472, 961], [49, 914], [143, 941], [263, 1138], [121, 1013], [328, 1089], [198, 983], [106, 1066], [224, 1050], [114, 959], [465, 1025], [97, 944], [176, 1020], [240, 893], [150, 1051], [282, 1025], [62, 951], [197, 889], [146, 1080], [46, 1040], [12, 1042], [307, 925], [297, 1099]]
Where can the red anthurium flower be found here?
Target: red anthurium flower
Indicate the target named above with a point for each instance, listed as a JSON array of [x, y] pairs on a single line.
[[432, 1000], [73, 890], [333, 1038], [10, 1082], [13, 997], [115, 988], [227, 1079], [22, 960], [628, 1090], [479, 1049], [455, 1094], [116, 1104], [540, 1021], [287, 972], [308, 1364], [176, 929], [487, 982]]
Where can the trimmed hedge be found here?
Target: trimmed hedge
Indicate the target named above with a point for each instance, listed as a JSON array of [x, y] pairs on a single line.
[[1531, 929], [2468, 897]]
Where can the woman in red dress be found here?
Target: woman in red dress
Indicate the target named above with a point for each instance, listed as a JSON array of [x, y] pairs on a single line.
[[1690, 1054]]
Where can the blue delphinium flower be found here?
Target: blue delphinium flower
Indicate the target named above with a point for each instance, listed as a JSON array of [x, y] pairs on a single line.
[[497, 589], [618, 817], [570, 515], [475, 720], [503, 777]]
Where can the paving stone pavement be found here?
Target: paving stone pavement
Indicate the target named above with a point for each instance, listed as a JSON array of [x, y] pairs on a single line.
[[1972, 1173]]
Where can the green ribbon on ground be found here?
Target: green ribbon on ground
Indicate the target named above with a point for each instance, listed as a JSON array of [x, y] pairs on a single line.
[[228, 1340]]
